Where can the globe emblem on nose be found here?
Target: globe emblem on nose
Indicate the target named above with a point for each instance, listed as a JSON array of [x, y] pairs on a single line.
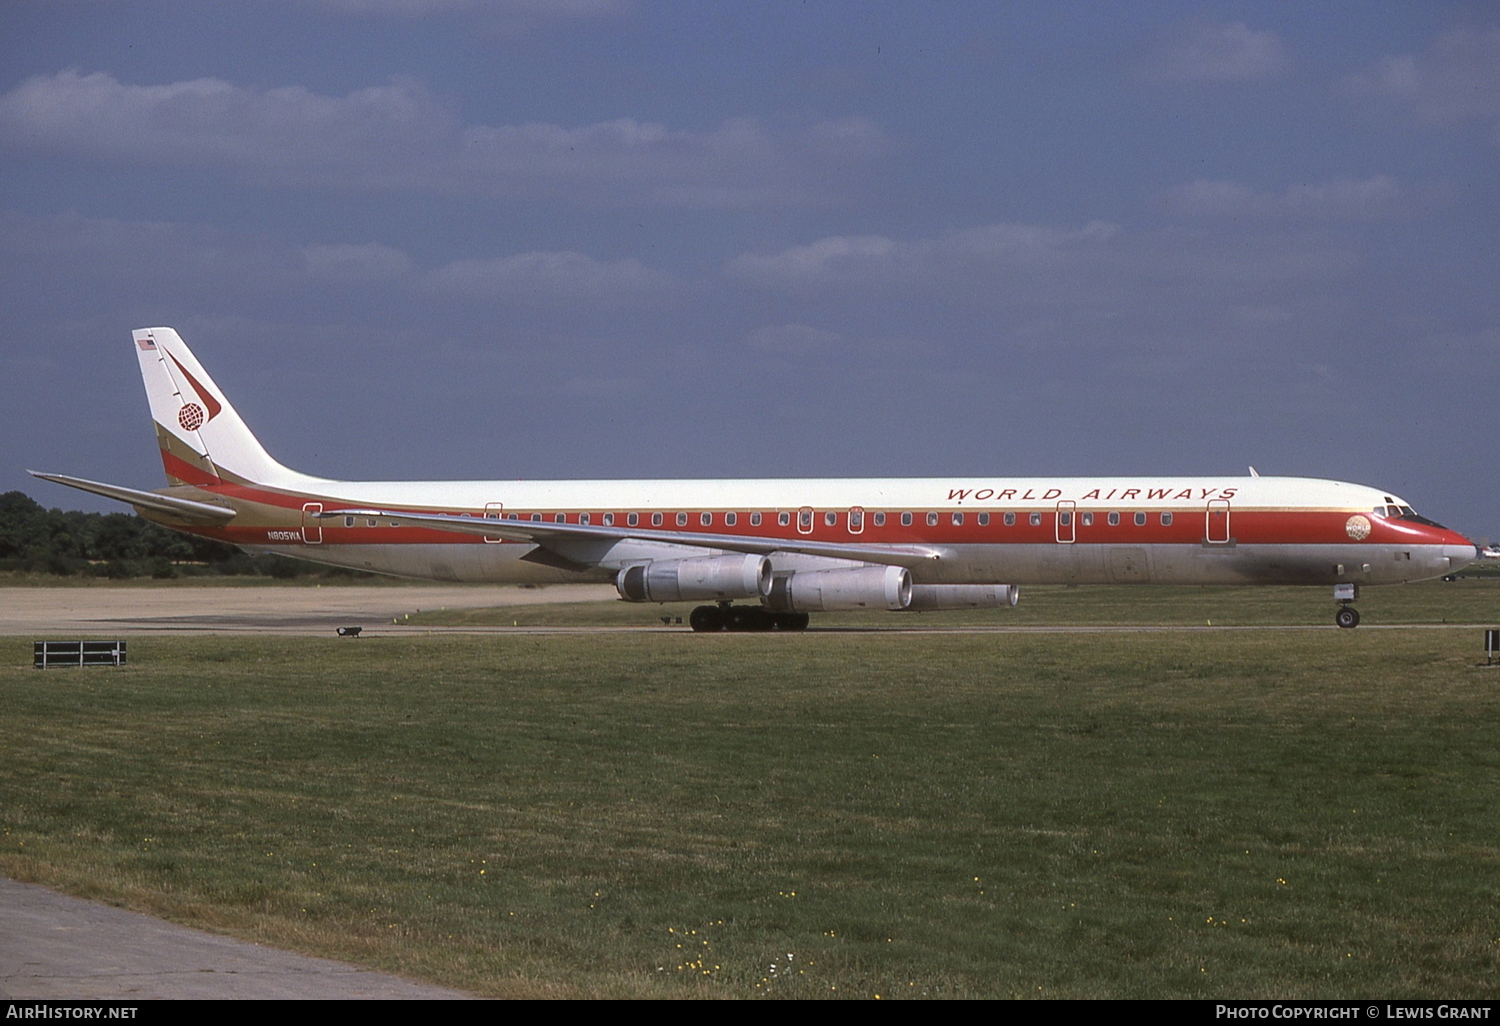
[[190, 417], [1357, 527]]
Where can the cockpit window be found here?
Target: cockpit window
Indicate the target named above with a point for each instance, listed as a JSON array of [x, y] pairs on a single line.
[[1412, 517], [1396, 511]]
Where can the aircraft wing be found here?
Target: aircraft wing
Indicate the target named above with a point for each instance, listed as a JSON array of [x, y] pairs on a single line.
[[186, 509], [546, 535]]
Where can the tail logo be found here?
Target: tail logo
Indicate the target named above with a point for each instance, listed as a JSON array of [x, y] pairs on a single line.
[[191, 416]]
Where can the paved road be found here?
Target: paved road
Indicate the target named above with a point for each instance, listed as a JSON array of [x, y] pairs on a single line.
[[56, 947], [253, 608], [280, 609]]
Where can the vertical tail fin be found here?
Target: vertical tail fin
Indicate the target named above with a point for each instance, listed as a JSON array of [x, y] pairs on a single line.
[[203, 440]]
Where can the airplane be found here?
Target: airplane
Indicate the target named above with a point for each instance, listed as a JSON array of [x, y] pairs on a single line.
[[783, 549]]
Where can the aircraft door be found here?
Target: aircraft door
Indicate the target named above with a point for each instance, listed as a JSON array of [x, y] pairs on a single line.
[[312, 527], [1216, 522], [1065, 522], [856, 519], [805, 520], [492, 511]]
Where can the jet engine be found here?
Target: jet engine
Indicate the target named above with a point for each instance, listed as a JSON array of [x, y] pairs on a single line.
[[821, 591], [713, 578], [963, 596]]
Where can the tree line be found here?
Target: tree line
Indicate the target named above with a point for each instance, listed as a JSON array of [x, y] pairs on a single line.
[[68, 543]]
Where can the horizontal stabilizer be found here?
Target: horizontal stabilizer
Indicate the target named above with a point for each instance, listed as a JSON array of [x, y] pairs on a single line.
[[187, 509]]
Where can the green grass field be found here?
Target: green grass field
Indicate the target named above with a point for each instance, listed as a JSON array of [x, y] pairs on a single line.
[[1471, 600], [1187, 813]]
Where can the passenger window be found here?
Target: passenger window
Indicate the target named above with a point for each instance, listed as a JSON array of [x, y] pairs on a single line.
[[958, 519], [583, 518], [783, 519], [984, 520], [932, 520], [536, 518], [706, 519], [730, 519], [829, 519], [682, 520], [1166, 520], [631, 519], [348, 521], [1140, 520], [561, 518], [906, 520], [609, 520], [804, 519], [1114, 520], [1036, 520], [371, 521], [879, 519], [856, 520], [1087, 519], [656, 520], [1010, 520], [754, 519], [1065, 519]]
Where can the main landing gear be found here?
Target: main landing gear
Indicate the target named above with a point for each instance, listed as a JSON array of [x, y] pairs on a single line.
[[725, 617], [1344, 595]]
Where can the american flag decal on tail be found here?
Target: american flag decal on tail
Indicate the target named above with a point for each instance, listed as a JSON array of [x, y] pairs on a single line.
[[145, 343]]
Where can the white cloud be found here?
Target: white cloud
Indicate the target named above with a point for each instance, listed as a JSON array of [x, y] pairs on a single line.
[[565, 276], [523, 10], [139, 257], [1204, 52], [156, 259], [346, 262], [1028, 243], [399, 137], [1339, 199], [835, 256], [793, 339], [602, 388], [1034, 283], [287, 134], [1456, 78], [1008, 251]]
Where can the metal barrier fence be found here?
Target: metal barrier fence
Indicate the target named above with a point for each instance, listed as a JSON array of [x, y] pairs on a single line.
[[45, 654]]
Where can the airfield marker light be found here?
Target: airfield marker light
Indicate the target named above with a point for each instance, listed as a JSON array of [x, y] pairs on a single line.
[[1492, 646]]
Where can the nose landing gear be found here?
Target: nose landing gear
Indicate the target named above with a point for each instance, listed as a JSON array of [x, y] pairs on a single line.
[[1344, 595]]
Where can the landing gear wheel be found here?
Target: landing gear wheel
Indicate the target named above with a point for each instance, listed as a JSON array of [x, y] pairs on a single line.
[[792, 621], [748, 618], [706, 618], [758, 619], [1347, 616]]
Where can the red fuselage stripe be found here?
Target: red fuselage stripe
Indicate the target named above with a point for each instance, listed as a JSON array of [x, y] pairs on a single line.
[[1246, 527]]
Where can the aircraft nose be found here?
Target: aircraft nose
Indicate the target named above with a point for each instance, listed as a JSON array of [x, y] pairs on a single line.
[[1460, 556]]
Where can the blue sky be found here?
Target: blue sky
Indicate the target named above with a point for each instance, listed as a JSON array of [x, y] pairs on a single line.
[[624, 238]]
